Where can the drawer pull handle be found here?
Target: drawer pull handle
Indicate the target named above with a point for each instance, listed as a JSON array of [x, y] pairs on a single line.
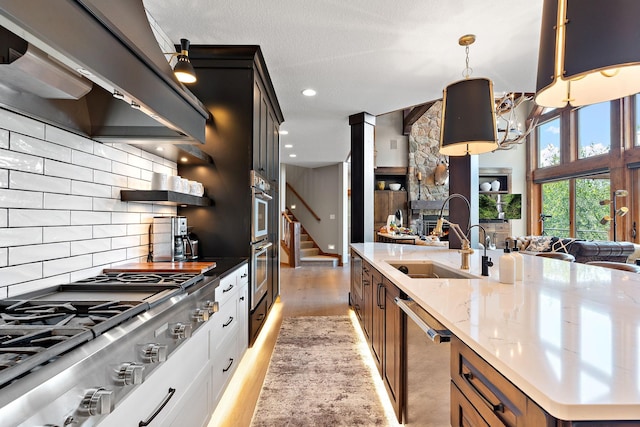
[[260, 317], [241, 298], [224, 291], [224, 325], [228, 366], [164, 402], [244, 275], [468, 377]]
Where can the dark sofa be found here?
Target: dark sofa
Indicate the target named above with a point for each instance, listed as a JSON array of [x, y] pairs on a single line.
[[582, 250]]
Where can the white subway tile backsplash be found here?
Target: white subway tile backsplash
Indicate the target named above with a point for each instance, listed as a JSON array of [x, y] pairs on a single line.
[[37, 217], [20, 199], [107, 152], [125, 242], [20, 273], [63, 201], [127, 148], [68, 139], [38, 147], [138, 184], [21, 124], [137, 229], [96, 162], [4, 138], [33, 253], [101, 177], [66, 170], [19, 161], [36, 182], [82, 188], [140, 162], [61, 216], [109, 205], [126, 170], [140, 207], [66, 265], [109, 257], [20, 236], [100, 231], [125, 218], [36, 285], [90, 218], [90, 246], [138, 252], [66, 234], [88, 272]]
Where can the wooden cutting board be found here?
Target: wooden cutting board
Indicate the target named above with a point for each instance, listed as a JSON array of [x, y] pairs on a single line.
[[163, 267]]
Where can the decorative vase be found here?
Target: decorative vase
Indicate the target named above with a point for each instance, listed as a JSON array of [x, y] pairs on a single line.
[[485, 186], [495, 185]]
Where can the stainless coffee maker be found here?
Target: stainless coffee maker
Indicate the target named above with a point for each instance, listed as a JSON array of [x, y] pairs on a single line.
[[168, 238]]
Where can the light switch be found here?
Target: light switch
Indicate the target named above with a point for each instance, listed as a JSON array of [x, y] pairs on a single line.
[[332, 216]]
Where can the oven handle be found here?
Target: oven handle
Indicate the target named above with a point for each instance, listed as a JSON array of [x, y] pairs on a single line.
[[261, 194], [164, 402], [263, 247]]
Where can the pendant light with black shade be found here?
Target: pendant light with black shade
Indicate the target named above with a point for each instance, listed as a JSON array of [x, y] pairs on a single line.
[[589, 52], [468, 113], [183, 69]]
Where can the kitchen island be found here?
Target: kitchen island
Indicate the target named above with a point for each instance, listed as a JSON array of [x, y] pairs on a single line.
[[567, 336]]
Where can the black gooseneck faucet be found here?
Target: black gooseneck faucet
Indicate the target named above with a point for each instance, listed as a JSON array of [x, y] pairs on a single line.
[[486, 261]]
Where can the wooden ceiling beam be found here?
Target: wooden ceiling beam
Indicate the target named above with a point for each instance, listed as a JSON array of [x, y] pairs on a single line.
[[411, 115]]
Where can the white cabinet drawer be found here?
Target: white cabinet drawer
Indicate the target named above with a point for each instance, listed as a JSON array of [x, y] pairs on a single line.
[[223, 323], [243, 275], [195, 407], [223, 365], [227, 289], [177, 373]]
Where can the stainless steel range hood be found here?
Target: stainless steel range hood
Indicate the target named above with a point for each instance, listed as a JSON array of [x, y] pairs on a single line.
[[97, 47]]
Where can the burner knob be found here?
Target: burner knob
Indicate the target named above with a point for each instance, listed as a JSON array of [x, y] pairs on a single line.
[[130, 373], [201, 315], [211, 306], [96, 401], [154, 353], [179, 331]]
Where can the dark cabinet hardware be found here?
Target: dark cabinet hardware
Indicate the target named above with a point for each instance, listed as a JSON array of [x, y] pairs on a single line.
[[164, 402]]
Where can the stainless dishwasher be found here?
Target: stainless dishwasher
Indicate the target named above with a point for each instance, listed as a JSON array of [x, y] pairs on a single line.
[[427, 374]]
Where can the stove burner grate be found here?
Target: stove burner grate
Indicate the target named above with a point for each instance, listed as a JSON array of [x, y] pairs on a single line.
[[177, 279]]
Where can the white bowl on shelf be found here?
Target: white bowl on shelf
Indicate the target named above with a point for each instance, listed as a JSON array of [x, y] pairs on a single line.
[[394, 187]]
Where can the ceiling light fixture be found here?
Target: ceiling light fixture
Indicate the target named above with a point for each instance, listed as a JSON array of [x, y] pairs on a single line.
[[183, 69], [293, 155], [468, 113], [586, 54], [283, 132], [309, 92]]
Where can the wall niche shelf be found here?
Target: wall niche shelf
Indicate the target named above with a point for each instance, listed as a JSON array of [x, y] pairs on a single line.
[[163, 197], [502, 175]]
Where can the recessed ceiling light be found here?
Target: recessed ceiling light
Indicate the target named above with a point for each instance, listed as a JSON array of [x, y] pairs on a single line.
[[184, 159], [292, 155], [159, 149], [84, 71], [309, 92], [288, 146], [284, 132]]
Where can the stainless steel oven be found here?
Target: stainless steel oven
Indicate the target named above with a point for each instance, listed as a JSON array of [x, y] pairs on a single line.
[[260, 271], [259, 207]]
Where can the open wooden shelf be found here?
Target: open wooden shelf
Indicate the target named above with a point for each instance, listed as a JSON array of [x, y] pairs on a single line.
[[163, 197]]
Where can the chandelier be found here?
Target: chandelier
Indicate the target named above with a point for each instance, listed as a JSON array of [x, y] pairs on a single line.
[[510, 129]]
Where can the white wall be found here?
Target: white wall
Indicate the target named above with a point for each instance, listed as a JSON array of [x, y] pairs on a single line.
[[61, 218], [392, 148], [325, 190]]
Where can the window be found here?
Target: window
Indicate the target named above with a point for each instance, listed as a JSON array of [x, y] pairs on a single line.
[[594, 130], [549, 143], [589, 211], [581, 198], [555, 209]]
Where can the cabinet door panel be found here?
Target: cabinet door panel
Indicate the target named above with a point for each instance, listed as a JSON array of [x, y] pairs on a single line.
[[377, 331], [393, 346], [463, 414]]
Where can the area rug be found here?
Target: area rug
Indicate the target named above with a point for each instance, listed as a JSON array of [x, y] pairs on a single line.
[[317, 377]]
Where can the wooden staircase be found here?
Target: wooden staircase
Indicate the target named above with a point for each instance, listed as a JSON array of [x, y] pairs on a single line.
[[310, 253]]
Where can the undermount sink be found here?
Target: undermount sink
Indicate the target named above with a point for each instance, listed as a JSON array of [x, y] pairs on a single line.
[[429, 270]]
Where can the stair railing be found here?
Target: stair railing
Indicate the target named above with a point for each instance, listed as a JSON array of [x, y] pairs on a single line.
[[291, 231], [306, 205]]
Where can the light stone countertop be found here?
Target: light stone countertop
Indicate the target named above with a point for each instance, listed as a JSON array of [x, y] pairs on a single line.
[[568, 335]]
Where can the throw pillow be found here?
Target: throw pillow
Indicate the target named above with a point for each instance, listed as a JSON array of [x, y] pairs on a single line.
[[562, 245], [540, 244]]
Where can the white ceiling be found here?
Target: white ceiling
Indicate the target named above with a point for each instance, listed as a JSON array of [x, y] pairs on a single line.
[[376, 56]]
